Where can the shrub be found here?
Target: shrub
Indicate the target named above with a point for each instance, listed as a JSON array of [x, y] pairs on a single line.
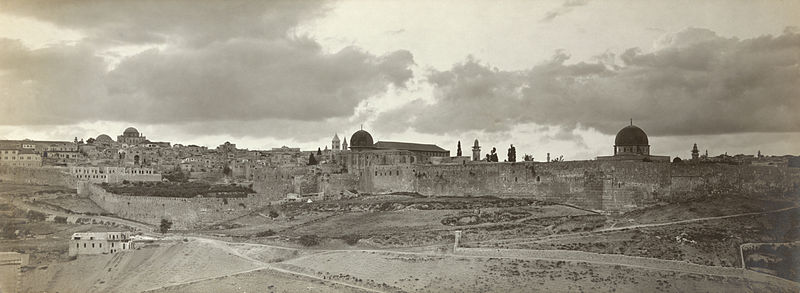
[[265, 233], [165, 225], [351, 239], [60, 219], [36, 216], [273, 214], [309, 240]]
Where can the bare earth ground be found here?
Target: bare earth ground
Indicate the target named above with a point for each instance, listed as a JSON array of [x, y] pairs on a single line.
[[400, 243]]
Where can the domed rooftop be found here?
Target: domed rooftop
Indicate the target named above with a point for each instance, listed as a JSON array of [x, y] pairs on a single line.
[[103, 138], [361, 139], [130, 132], [631, 135]]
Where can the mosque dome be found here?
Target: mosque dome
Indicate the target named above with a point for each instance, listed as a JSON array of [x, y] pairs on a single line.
[[361, 139], [631, 135], [103, 138], [130, 132]]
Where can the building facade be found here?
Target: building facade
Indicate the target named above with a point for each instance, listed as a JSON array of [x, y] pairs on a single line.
[[20, 158], [99, 243]]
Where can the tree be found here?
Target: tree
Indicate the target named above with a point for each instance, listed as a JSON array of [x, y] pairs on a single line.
[[458, 152], [527, 158], [677, 160], [165, 226], [319, 152], [312, 160], [90, 140], [512, 154], [493, 156], [176, 175], [227, 170]]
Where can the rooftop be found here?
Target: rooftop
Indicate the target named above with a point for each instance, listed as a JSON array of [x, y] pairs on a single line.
[[409, 146]]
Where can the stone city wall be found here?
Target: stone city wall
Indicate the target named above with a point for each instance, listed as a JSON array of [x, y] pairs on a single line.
[[57, 176], [690, 181], [599, 185], [185, 213]]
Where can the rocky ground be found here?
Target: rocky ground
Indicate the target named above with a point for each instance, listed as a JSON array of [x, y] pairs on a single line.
[[403, 243]]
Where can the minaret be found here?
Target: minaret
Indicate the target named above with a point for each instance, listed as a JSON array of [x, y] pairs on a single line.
[[335, 146], [695, 152], [344, 144], [476, 151]]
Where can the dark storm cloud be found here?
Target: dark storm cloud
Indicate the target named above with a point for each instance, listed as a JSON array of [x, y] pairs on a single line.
[[217, 60], [695, 83], [184, 21]]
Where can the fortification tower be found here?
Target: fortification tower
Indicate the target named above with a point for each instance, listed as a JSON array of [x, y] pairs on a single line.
[[476, 151], [695, 152]]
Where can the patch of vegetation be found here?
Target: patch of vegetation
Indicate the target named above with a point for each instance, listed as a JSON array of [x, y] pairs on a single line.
[[309, 240], [265, 233], [36, 216], [165, 226], [351, 239], [179, 189]]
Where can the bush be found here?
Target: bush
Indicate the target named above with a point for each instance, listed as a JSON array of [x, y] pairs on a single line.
[[351, 239], [265, 233], [36, 216], [309, 240], [165, 225], [273, 214], [60, 219]]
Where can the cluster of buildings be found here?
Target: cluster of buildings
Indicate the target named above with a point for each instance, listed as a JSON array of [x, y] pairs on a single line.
[[133, 157]]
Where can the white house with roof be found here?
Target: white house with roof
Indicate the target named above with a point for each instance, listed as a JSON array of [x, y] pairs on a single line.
[[99, 242]]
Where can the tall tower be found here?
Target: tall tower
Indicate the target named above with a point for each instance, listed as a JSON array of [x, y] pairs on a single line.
[[476, 151], [695, 153], [344, 144], [335, 146]]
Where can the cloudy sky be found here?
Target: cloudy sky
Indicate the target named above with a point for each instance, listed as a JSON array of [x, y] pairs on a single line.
[[558, 77]]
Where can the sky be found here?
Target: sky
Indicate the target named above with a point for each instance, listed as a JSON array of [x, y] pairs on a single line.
[[558, 77]]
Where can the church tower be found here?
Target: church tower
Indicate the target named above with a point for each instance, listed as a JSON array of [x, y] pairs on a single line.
[[335, 146], [476, 151], [344, 144], [695, 153]]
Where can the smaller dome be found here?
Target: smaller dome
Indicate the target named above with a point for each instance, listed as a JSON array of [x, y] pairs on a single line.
[[130, 132], [103, 138], [361, 139], [631, 135]]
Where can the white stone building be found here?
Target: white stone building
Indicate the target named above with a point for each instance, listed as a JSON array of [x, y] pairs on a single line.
[[99, 242]]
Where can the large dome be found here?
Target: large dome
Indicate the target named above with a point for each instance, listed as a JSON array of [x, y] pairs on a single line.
[[103, 138], [130, 132], [631, 136], [361, 139]]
